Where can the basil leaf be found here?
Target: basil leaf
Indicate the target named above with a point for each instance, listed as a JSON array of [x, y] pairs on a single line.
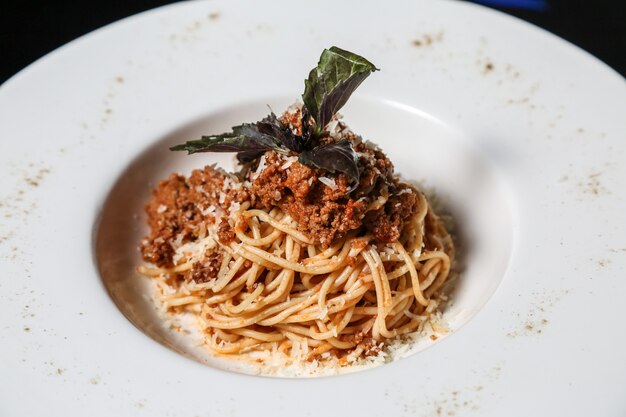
[[339, 156], [306, 128], [330, 84], [271, 126], [248, 156], [251, 138]]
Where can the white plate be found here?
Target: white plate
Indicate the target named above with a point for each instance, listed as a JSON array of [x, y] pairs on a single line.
[[539, 334]]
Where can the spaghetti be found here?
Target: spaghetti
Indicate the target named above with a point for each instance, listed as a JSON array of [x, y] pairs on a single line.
[[271, 286]]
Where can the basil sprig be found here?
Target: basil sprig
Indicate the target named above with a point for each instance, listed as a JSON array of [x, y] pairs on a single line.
[[332, 82], [327, 89]]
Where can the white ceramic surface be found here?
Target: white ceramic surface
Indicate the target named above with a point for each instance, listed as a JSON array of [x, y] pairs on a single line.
[[547, 121]]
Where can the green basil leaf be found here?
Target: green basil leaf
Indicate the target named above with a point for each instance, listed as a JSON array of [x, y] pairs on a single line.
[[334, 157], [332, 82]]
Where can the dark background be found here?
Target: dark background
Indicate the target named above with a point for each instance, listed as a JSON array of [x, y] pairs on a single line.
[[30, 29]]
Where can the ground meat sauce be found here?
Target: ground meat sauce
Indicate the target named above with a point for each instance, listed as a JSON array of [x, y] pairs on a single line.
[[386, 222], [225, 232], [206, 271], [179, 206], [323, 212]]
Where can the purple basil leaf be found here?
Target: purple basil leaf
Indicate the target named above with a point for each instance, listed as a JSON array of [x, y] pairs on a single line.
[[334, 157], [306, 128], [249, 156], [248, 137], [272, 127]]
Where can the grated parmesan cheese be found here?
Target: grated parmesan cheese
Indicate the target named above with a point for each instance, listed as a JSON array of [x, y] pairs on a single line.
[[234, 208], [288, 162], [329, 182], [209, 211], [259, 169], [294, 108], [332, 127]]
